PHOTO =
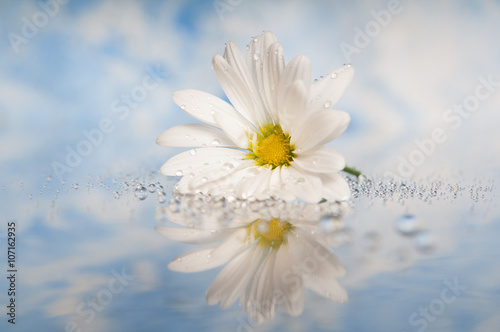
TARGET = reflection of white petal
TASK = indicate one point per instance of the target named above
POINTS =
(189, 161)
(328, 90)
(321, 160)
(201, 105)
(327, 287)
(194, 235)
(232, 280)
(195, 135)
(319, 128)
(258, 300)
(212, 256)
(289, 283)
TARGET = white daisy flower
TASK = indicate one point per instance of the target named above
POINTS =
(270, 141)
(269, 262)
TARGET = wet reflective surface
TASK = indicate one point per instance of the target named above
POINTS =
(405, 255)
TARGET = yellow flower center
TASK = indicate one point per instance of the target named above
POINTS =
(270, 234)
(272, 147)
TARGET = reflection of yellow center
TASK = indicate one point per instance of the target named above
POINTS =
(270, 233)
(271, 147)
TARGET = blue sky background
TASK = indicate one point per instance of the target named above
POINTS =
(69, 75)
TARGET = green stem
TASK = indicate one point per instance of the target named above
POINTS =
(352, 171)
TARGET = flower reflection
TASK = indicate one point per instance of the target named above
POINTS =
(272, 252)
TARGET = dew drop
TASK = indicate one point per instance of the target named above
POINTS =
(179, 259)
(327, 104)
(152, 188)
(116, 195)
(334, 75)
(183, 107)
(256, 56)
(192, 152)
(215, 142)
(179, 173)
(204, 180)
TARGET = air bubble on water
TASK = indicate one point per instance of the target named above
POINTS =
(140, 192)
(162, 197)
(424, 241)
(327, 104)
(407, 225)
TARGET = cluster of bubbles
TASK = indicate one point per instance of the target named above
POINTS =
(141, 192)
(426, 190)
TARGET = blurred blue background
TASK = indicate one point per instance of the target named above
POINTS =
(96, 77)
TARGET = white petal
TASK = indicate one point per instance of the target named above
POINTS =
(299, 69)
(194, 235)
(213, 175)
(259, 53)
(274, 64)
(195, 159)
(303, 184)
(195, 134)
(293, 108)
(201, 105)
(231, 282)
(322, 159)
(256, 186)
(238, 91)
(335, 187)
(319, 128)
(236, 128)
(327, 91)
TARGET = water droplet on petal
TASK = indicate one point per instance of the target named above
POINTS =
(327, 104)
(183, 107)
(192, 152)
(227, 166)
(334, 75)
(179, 173)
(216, 142)
(204, 180)
(256, 56)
